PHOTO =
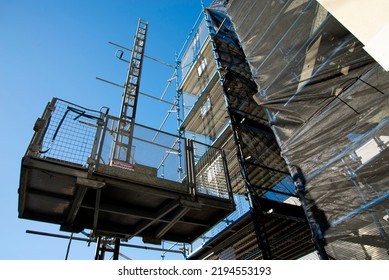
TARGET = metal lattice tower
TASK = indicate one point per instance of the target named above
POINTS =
(123, 141)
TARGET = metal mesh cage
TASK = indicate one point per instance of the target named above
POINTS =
(150, 147)
(74, 135)
(70, 133)
(210, 172)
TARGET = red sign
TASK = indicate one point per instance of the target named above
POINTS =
(123, 165)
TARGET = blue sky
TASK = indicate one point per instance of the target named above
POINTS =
(53, 48)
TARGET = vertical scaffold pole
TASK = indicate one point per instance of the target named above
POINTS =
(179, 119)
(116, 249)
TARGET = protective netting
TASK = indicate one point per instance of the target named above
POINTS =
(327, 102)
(259, 150)
(69, 134)
(210, 172)
(257, 162)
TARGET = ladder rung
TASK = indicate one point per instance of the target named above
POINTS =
(121, 144)
(131, 86)
(131, 95)
(129, 124)
(130, 83)
(130, 90)
(124, 131)
(131, 67)
(138, 50)
(135, 59)
(130, 100)
(131, 78)
(139, 40)
(129, 105)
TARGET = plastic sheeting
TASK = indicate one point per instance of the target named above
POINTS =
(327, 102)
(261, 165)
(259, 150)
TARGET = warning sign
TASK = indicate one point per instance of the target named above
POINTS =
(123, 165)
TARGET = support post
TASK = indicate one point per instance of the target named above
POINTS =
(317, 235)
(227, 176)
(40, 128)
(95, 153)
(179, 119)
(257, 213)
(100, 249)
(190, 166)
(260, 230)
(116, 249)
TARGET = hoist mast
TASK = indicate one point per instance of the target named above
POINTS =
(123, 143)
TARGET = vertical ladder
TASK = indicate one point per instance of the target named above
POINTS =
(123, 142)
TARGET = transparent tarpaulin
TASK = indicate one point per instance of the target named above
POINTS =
(327, 102)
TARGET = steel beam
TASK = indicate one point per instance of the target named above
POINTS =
(148, 215)
(96, 240)
(97, 208)
(161, 213)
(79, 196)
(179, 213)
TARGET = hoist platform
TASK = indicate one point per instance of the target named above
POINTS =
(172, 188)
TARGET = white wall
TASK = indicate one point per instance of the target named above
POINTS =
(368, 20)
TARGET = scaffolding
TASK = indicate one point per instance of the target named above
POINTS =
(81, 172)
(320, 101)
(291, 130)
(216, 83)
(276, 103)
(331, 101)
